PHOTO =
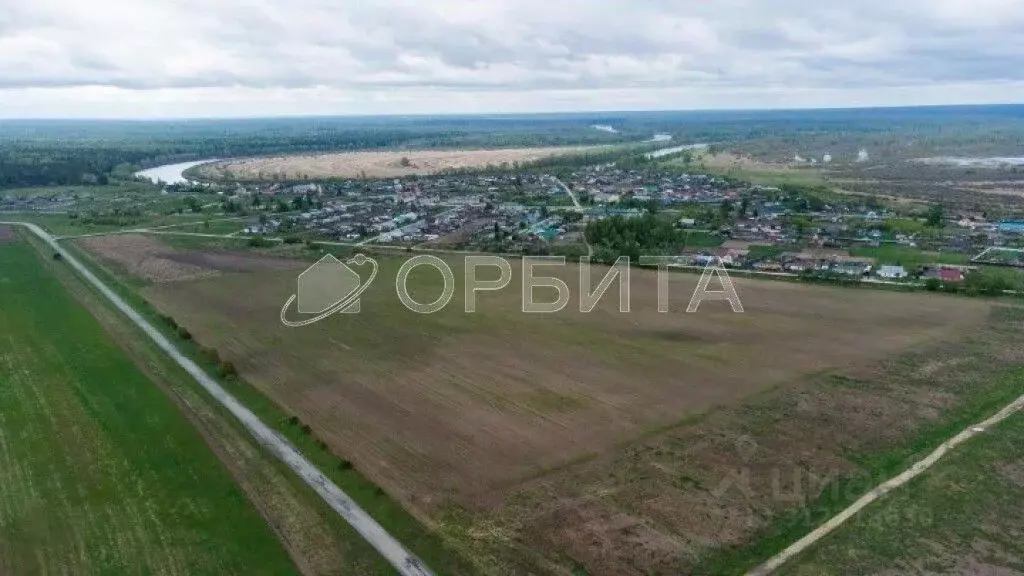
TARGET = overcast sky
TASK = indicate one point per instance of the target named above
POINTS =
(184, 58)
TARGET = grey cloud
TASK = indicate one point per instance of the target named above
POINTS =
(508, 44)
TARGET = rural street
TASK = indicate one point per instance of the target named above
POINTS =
(572, 195)
(404, 228)
(578, 207)
(393, 551)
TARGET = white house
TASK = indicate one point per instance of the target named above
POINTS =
(892, 272)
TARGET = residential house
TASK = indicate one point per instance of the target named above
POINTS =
(951, 275)
(705, 259)
(852, 266)
(892, 272)
(945, 274)
(306, 189)
(851, 269)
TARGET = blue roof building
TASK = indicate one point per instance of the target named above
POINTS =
(1012, 226)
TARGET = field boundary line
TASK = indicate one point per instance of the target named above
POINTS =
(397, 555)
(884, 488)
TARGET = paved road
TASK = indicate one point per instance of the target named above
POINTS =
(393, 551)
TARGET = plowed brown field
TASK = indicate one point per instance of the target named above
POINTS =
(571, 433)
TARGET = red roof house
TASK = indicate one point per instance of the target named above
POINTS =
(951, 275)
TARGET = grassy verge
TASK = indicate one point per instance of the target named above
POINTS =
(99, 472)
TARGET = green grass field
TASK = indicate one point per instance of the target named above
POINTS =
(754, 172)
(909, 257)
(963, 516)
(99, 471)
(216, 225)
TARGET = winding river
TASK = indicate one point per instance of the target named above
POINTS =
(170, 173)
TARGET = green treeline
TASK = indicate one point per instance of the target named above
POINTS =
(647, 235)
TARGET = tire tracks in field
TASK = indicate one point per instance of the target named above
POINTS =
(397, 555)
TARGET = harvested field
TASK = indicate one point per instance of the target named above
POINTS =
(142, 257)
(149, 259)
(390, 164)
(568, 435)
(7, 235)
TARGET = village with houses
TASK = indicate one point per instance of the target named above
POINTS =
(760, 229)
(771, 230)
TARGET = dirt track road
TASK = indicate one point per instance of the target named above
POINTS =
(572, 196)
(884, 488)
(393, 551)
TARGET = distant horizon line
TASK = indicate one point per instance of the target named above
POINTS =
(683, 111)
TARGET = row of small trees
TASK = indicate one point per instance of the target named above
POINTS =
(225, 368)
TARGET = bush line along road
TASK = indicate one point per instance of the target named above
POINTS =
(393, 551)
